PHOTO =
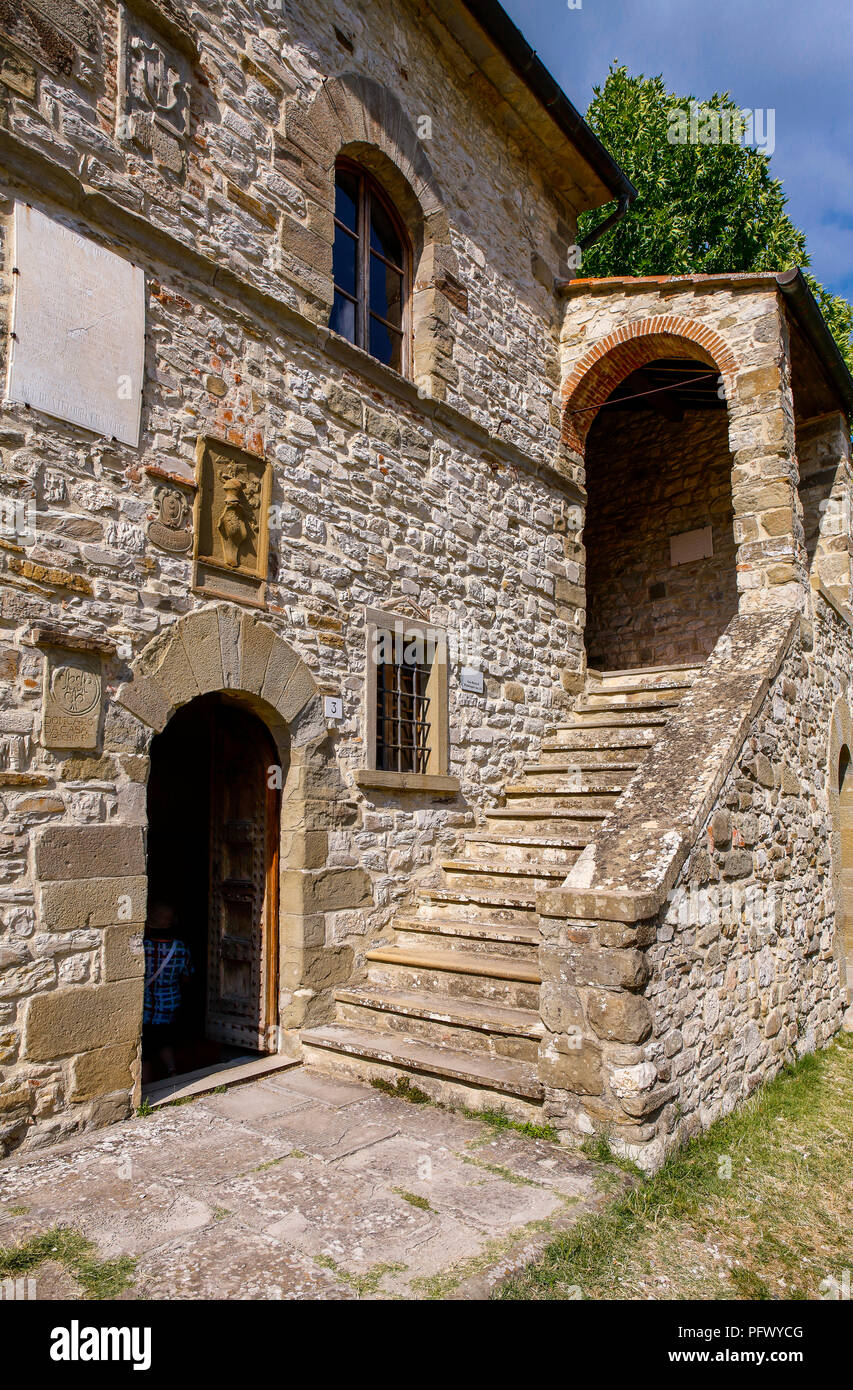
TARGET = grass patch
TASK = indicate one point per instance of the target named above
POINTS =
(413, 1199)
(362, 1284)
(98, 1279)
(402, 1088)
(754, 1208)
(500, 1120)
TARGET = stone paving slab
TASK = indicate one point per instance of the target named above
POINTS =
(299, 1186)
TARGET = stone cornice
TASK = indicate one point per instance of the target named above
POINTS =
(26, 170)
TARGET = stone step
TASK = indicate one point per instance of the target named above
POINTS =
(494, 874)
(553, 785)
(640, 678)
(482, 939)
(541, 814)
(608, 779)
(492, 847)
(480, 904)
(474, 1025)
(592, 760)
(501, 934)
(459, 974)
(476, 1071)
(638, 700)
(615, 719)
(600, 740)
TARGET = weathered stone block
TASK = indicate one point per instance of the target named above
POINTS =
(68, 1021)
(91, 902)
(89, 851)
(576, 1069)
(123, 957)
(594, 966)
(102, 1071)
(618, 1016)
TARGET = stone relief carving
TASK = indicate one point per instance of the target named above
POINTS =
(232, 517)
(154, 92)
(73, 696)
(169, 530)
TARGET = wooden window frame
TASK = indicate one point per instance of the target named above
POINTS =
(435, 778)
(369, 188)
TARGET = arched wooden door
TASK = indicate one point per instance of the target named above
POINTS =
(242, 963)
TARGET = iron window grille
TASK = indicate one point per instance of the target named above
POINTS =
(402, 716)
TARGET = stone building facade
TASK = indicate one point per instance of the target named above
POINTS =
(372, 407)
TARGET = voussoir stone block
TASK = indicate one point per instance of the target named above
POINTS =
(230, 640)
(91, 902)
(148, 701)
(64, 1022)
(257, 643)
(90, 851)
(169, 665)
(297, 693)
(200, 636)
(281, 664)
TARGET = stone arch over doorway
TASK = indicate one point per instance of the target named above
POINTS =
(224, 649)
(840, 795)
(646, 420)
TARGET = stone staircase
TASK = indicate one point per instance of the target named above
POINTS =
(454, 1001)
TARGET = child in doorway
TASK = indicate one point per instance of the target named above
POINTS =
(167, 965)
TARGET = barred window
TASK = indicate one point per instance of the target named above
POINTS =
(402, 716)
(407, 696)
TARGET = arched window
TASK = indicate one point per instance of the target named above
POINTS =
(371, 268)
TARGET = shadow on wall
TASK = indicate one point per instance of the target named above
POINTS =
(653, 479)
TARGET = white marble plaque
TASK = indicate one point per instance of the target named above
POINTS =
(78, 350)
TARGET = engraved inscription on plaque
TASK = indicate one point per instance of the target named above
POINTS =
(72, 700)
(78, 350)
(153, 92)
(232, 512)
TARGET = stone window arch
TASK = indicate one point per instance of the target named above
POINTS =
(356, 118)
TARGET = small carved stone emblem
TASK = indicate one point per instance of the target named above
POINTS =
(73, 690)
(169, 531)
(231, 521)
(154, 87)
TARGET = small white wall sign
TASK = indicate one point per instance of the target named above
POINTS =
(471, 679)
(691, 545)
(333, 707)
(78, 325)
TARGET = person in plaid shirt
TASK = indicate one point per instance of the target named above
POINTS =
(167, 964)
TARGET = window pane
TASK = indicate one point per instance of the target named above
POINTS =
(346, 198)
(343, 317)
(386, 345)
(383, 236)
(386, 292)
(343, 261)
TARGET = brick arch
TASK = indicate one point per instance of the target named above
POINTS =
(634, 345)
(355, 115)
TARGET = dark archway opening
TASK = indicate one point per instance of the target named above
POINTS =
(661, 577)
(213, 826)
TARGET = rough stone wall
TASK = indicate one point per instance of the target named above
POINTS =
(745, 969)
(377, 500)
(661, 1020)
(650, 478)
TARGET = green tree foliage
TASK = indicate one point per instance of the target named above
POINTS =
(701, 207)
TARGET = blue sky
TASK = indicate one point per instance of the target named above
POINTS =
(792, 56)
